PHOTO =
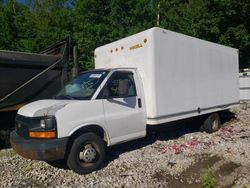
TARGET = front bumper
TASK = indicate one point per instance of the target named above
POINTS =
(39, 149)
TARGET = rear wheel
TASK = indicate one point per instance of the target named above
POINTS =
(212, 123)
(87, 153)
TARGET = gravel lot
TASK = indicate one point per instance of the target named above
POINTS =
(170, 157)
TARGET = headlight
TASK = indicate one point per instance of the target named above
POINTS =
(45, 129)
(48, 123)
(42, 124)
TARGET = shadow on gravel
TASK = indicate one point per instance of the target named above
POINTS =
(59, 164)
(3, 145)
(167, 131)
(227, 116)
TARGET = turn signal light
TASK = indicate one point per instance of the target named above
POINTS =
(47, 134)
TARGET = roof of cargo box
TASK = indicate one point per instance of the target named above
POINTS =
(127, 52)
(150, 30)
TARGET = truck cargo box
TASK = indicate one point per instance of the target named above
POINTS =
(182, 76)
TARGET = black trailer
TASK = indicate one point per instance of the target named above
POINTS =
(26, 77)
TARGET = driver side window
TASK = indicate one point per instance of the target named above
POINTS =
(120, 85)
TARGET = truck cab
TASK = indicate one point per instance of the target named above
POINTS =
(98, 108)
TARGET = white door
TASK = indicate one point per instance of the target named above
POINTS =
(124, 113)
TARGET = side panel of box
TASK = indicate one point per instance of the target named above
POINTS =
(193, 75)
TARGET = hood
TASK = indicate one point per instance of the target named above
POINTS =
(43, 108)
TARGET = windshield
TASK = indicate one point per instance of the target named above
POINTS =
(83, 86)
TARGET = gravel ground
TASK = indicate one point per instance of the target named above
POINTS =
(170, 157)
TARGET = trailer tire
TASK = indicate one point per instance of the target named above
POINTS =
(212, 123)
(86, 154)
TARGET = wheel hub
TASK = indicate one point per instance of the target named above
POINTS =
(215, 124)
(88, 154)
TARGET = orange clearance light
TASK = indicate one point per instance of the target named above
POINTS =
(47, 134)
(145, 40)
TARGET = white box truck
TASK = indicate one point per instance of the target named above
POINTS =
(153, 77)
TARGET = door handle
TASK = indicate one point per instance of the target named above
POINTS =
(139, 103)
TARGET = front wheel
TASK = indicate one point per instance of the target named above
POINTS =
(86, 154)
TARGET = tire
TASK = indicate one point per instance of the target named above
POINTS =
(212, 123)
(86, 154)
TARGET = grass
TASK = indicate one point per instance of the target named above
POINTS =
(8, 153)
(209, 178)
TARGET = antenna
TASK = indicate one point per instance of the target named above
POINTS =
(158, 14)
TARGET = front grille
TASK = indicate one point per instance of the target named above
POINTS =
(23, 124)
(22, 130)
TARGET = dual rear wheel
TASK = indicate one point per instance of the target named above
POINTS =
(212, 123)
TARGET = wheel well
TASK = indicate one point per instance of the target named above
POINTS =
(89, 128)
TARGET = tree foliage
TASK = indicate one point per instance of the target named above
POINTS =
(29, 25)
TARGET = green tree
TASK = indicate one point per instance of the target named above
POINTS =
(98, 22)
(5, 36)
(52, 21)
(91, 28)
(234, 24)
(225, 22)
(35, 24)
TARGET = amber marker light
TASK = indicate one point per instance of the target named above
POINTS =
(47, 134)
